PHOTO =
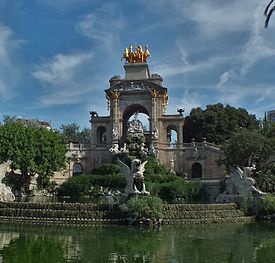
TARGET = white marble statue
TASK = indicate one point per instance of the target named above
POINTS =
(172, 165)
(155, 134)
(115, 133)
(124, 149)
(134, 177)
(6, 194)
(242, 182)
(152, 150)
(115, 149)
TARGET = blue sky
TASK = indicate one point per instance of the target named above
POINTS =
(56, 56)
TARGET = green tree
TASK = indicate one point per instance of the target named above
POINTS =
(245, 144)
(72, 133)
(9, 119)
(217, 123)
(32, 150)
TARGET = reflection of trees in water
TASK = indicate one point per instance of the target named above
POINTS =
(121, 244)
(5, 239)
(222, 243)
(192, 243)
(38, 245)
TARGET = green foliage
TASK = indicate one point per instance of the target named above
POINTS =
(135, 142)
(217, 123)
(32, 150)
(267, 205)
(178, 188)
(144, 207)
(107, 169)
(244, 144)
(86, 184)
(72, 133)
(265, 178)
(154, 171)
(40, 249)
(168, 186)
(45, 183)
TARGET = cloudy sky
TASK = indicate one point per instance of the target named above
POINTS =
(56, 56)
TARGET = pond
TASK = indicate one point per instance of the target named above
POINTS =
(101, 243)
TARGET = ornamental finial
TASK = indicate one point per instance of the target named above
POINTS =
(136, 56)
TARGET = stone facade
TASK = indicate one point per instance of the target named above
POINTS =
(139, 91)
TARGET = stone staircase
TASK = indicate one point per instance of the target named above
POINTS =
(60, 213)
(203, 213)
(88, 213)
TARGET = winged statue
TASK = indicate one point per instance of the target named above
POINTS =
(134, 177)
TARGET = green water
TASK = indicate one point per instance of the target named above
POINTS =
(193, 243)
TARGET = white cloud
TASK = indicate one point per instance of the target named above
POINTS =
(188, 101)
(212, 18)
(215, 17)
(62, 78)
(266, 93)
(225, 77)
(258, 46)
(252, 95)
(9, 73)
(168, 70)
(61, 68)
(104, 25)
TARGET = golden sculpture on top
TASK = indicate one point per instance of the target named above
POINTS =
(138, 56)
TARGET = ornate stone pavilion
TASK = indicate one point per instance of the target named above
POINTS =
(143, 92)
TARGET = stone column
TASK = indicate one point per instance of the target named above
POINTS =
(116, 131)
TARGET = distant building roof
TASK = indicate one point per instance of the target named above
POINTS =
(36, 123)
(271, 115)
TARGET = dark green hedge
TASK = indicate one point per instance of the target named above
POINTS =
(267, 205)
(85, 184)
(107, 169)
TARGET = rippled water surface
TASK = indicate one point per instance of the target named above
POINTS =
(192, 243)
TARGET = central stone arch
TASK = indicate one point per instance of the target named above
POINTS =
(139, 91)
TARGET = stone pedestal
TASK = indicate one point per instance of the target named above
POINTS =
(136, 71)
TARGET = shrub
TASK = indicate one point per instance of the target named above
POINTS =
(153, 168)
(179, 188)
(144, 207)
(107, 169)
(83, 184)
(267, 205)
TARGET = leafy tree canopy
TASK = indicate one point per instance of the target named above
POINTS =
(244, 145)
(217, 123)
(32, 150)
(72, 133)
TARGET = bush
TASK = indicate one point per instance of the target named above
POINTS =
(179, 188)
(83, 184)
(144, 207)
(153, 168)
(267, 205)
(107, 169)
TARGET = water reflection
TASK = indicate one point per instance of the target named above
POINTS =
(194, 243)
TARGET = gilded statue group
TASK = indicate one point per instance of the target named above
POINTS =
(138, 56)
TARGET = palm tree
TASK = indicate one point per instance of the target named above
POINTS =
(268, 12)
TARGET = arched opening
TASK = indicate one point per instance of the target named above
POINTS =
(144, 120)
(172, 136)
(101, 135)
(196, 170)
(130, 114)
(77, 169)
